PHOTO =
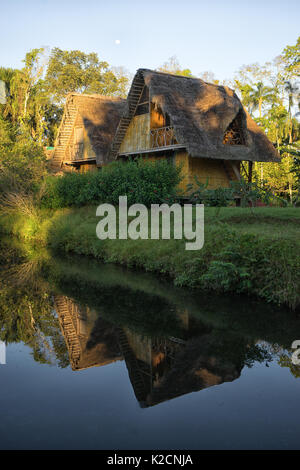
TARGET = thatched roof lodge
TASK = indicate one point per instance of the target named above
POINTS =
(86, 131)
(200, 125)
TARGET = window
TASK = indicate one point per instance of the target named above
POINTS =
(234, 134)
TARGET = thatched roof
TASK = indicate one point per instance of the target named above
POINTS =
(201, 113)
(100, 115)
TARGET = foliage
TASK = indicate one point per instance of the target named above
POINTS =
(26, 309)
(75, 71)
(219, 197)
(22, 165)
(246, 192)
(172, 66)
(290, 58)
(225, 276)
(141, 181)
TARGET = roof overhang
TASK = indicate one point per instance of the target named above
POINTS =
(85, 161)
(151, 150)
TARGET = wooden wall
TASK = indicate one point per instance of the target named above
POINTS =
(182, 159)
(218, 172)
(137, 136)
(212, 169)
(88, 151)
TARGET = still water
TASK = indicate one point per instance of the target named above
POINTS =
(98, 357)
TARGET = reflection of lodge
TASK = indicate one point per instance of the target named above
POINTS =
(159, 368)
(76, 326)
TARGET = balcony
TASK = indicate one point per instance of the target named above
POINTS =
(162, 137)
(145, 142)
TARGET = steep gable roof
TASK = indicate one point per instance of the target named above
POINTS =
(201, 113)
(100, 116)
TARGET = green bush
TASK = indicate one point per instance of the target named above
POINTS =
(219, 197)
(141, 181)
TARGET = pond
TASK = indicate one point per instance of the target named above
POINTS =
(100, 357)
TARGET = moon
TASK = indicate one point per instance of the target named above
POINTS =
(117, 41)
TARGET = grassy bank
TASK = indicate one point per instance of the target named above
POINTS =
(255, 253)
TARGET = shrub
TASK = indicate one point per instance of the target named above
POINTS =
(141, 181)
(219, 197)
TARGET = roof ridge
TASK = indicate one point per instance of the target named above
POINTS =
(96, 96)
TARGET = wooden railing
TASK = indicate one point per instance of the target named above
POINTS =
(162, 137)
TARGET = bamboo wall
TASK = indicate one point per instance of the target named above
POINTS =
(182, 159)
(218, 172)
(87, 151)
(212, 169)
(137, 136)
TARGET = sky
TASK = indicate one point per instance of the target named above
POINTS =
(205, 35)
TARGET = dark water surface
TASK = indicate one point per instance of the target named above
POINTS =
(102, 358)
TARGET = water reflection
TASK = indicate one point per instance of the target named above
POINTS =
(159, 368)
(174, 342)
(87, 346)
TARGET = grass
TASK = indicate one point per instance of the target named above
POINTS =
(245, 251)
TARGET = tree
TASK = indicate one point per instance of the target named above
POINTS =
(258, 95)
(172, 66)
(23, 85)
(290, 59)
(209, 77)
(292, 91)
(75, 71)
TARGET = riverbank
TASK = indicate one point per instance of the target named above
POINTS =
(250, 252)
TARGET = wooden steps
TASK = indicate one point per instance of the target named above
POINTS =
(68, 329)
(134, 96)
(64, 134)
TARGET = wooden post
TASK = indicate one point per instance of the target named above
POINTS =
(250, 167)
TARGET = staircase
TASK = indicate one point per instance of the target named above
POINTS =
(133, 99)
(64, 134)
(68, 330)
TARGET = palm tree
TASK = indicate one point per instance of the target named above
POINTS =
(260, 94)
(292, 91)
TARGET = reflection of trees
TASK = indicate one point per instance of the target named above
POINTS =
(172, 343)
(285, 360)
(26, 310)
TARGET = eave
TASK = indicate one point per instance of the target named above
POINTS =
(151, 150)
(80, 162)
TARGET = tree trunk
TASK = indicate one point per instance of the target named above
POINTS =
(260, 106)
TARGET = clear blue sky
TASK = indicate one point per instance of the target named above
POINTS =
(215, 35)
